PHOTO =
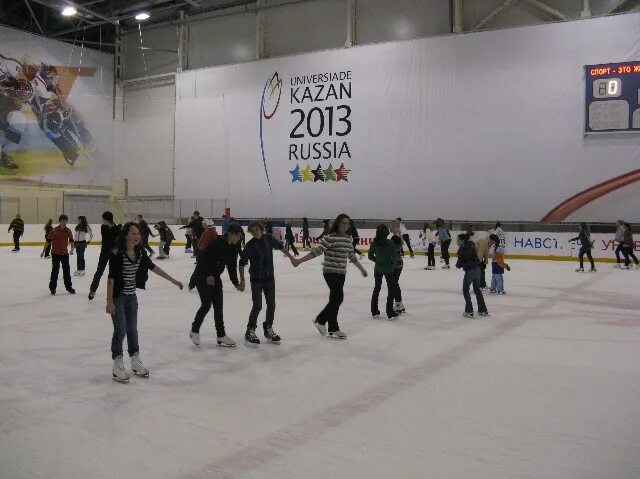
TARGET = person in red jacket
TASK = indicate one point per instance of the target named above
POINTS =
(61, 237)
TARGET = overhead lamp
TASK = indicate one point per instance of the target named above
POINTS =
(69, 11)
(142, 16)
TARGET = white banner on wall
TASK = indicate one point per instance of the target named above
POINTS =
(472, 127)
(56, 111)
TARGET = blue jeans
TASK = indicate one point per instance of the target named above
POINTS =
(125, 322)
(497, 282)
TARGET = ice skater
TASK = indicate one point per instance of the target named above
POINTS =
(499, 232)
(469, 262)
(628, 247)
(395, 230)
(404, 232)
(196, 227)
(109, 232)
(445, 241)
(290, 240)
(585, 247)
(338, 250)
(211, 263)
(429, 241)
(61, 237)
(128, 270)
(17, 225)
(83, 236)
(306, 241)
(166, 238)
(46, 251)
(145, 231)
(620, 242)
(258, 253)
(353, 231)
(326, 229)
(497, 265)
(384, 253)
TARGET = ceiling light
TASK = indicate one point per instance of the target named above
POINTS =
(69, 11)
(142, 16)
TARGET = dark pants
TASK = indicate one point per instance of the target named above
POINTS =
(619, 249)
(407, 240)
(81, 246)
(392, 284)
(47, 248)
(356, 242)
(472, 278)
(306, 241)
(627, 251)
(145, 242)
(125, 323)
(103, 261)
(56, 260)
(585, 250)
(268, 287)
(188, 246)
(209, 295)
(167, 247)
(289, 244)
(329, 314)
(444, 248)
(16, 239)
(431, 259)
(483, 277)
(398, 294)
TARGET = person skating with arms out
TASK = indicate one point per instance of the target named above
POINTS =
(258, 253)
(129, 268)
(585, 247)
(338, 250)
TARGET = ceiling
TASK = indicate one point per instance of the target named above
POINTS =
(96, 20)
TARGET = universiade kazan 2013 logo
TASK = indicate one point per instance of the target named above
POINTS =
(321, 125)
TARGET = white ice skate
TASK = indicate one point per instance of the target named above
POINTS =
(398, 307)
(468, 315)
(195, 337)
(337, 335)
(226, 342)
(446, 266)
(580, 270)
(120, 374)
(322, 329)
(137, 367)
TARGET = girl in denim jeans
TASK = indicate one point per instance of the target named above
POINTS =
(128, 269)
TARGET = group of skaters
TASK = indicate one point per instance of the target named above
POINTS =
(126, 251)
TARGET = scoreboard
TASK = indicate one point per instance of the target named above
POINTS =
(612, 101)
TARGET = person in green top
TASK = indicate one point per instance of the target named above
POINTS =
(383, 252)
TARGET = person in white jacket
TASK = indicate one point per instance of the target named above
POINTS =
(500, 234)
(405, 236)
(429, 241)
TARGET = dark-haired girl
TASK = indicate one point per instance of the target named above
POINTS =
(306, 241)
(83, 236)
(338, 249)
(128, 270)
(396, 238)
(585, 247)
(384, 253)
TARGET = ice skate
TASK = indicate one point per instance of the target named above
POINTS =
(92, 294)
(468, 315)
(484, 314)
(399, 307)
(337, 335)
(272, 336)
(322, 329)
(195, 338)
(250, 338)
(137, 367)
(446, 266)
(226, 342)
(119, 373)
(580, 270)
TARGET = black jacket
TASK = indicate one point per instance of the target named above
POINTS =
(260, 253)
(468, 256)
(109, 236)
(115, 270)
(166, 235)
(196, 226)
(585, 239)
(145, 231)
(215, 257)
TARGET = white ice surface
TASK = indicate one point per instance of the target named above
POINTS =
(549, 387)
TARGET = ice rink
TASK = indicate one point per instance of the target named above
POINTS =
(548, 387)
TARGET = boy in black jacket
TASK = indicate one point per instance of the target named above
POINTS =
(469, 262)
(210, 265)
(259, 253)
(109, 232)
(145, 231)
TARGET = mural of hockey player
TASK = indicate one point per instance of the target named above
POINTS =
(56, 118)
(15, 91)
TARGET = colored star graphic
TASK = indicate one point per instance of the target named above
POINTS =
(295, 174)
(307, 174)
(329, 174)
(318, 174)
(342, 173)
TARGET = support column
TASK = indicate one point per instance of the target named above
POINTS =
(586, 9)
(351, 24)
(457, 16)
(261, 18)
(183, 43)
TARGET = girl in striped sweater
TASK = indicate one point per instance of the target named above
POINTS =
(337, 247)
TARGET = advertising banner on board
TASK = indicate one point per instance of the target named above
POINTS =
(482, 126)
(56, 111)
